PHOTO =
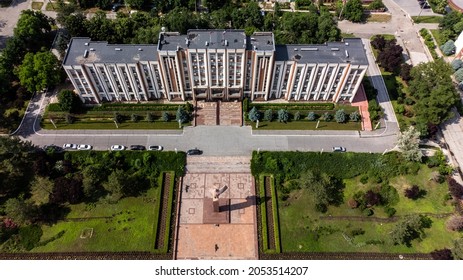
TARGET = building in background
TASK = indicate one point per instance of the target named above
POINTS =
(215, 65)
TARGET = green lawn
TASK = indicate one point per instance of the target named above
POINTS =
(304, 230)
(436, 34)
(46, 124)
(305, 125)
(127, 225)
(426, 19)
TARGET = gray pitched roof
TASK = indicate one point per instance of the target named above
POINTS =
(83, 50)
(351, 50)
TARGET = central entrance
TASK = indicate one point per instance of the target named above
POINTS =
(218, 113)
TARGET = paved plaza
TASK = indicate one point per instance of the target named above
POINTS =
(233, 238)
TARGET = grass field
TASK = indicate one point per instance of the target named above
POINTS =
(305, 125)
(427, 19)
(305, 230)
(127, 225)
(46, 124)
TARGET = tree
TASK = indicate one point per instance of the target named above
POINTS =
(116, 185)
(20, 211)
(379, 42)
(149, 117)
(254, 115)
(372, 198)
(408, 144)
(456, 64)
(165, 116)
(353, 10)
(448, 48)
(458, 249)
(327, 117)
(432, 88)
(340, 116)
(390, 58)
(414, 192)
(405, 69)
(41, 188)
(118, 118)
(410, 229)
(327, 190)
(67, 189)
(455, 189)
(376, 5)
(297, 116)
(137, 4)
(100, 28)
(182, 116)
(455, 223)
(32, 29)
(283, 115)
(355, 116)
(76, 24)
(92, 176)
(268, 115)
(443, 254)
(68, 101)
(39, 71)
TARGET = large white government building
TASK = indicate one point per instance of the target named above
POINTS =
(215, 65)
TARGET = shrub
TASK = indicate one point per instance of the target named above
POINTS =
(297, 116)
(400, 109)
(405, 69)
(327, 117)
(149, 117)
(357, 231)
(134, 117)
(182, 115)
(165, 116)
(390, 211)
(268, 115)
(355, 116)
(414, 192)
(372, 198)
(352, 203)
(321, 207)
(457, 64)
(368, 212)
(118, 117)
(283, 115)
(69, 101)
(455, 189)
(340, 116)
(364, 179)
(69, 119)
(376, 5)
(254, 115)
(443, 254)
(455, 223)
(29, 236)
(311, 116)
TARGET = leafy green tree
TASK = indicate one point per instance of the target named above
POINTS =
(408, 143)
(254, 115)
(20, 211)
(432, 88)
(100, 28)
(92, 177)
(116, 185)
(134, 117)
(390, 58)
(297, 116)
(268, 115)
(149, 117)
(327, 30)
(39, 71)
(326, 189)
(353, 10)
(69, 101)
(327, 117)
(410, 229)
(41, 188)
(182, 116)
(283, 115)
(405, 70)
(248, 16)
(135, 4)
(180, 19)
(147, 35)
(376, 5)
(32, 29)
(340, 116)
(448, 48)
(118, 117)
(165, 117)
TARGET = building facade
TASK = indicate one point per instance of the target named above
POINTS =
(215, 65)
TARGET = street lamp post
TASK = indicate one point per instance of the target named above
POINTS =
(115, 122)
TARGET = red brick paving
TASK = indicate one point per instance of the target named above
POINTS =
(361, 101)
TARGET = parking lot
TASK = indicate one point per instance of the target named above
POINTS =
(412, 7)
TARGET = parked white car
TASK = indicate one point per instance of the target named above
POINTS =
(70, 146)
(84, 147)
(155, 148)
(117, 148)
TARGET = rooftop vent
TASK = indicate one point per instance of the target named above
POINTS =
(92, 49)
(85, 53)
(295, 49)
(226, 42)
(207, 43)
(309, 49)
(335, 49)
(347, 54)
(347, 43)
(86, 44)
(140, 49)
(117, 49)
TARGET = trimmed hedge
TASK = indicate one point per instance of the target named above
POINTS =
(276, 223)
(293, 106)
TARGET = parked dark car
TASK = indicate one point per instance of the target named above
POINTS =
(194, 151)
(137, 148)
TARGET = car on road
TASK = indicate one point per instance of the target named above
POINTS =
(53, 149)
(137, 148)
(116, 7)
(339, 149)
(117, 148)
(70, 146)
(84, 147)
(194, 151)
(155, 148)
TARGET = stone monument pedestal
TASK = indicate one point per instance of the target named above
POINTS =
(213, 217)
